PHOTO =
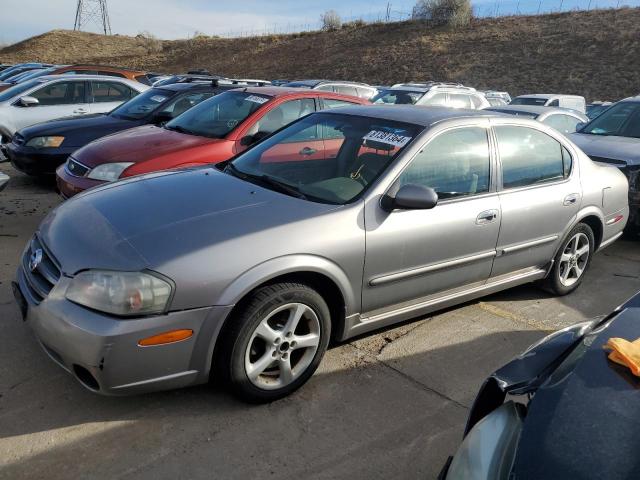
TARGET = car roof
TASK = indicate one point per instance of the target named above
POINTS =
(87, 77)
(535, 109)
(418, 115)
(180, 87)
(280, 91)
(547, 95)
(315, 83)
(103, 67)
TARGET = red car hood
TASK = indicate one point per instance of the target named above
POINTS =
(138, 145)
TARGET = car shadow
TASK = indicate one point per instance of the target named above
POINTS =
(358, 413)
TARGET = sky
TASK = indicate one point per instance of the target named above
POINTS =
(170, 19)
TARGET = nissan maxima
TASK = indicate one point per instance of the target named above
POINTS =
(343, 222)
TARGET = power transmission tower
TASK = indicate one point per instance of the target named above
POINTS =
(95, 12)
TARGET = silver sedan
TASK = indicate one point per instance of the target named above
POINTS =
(341, 223)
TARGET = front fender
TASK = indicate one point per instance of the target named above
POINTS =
(288, 264)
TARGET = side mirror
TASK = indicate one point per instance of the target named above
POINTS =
(162, 118)
(411, 197)
(28, 101)
(251, 139)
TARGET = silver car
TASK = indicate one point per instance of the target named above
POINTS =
(343, 222)
(56, 96)
(439, 94)
(562, 119)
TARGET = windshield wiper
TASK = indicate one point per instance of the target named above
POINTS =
(266, 180)
(179, 129)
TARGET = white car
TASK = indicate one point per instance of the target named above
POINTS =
(56, 96)
(440, 94)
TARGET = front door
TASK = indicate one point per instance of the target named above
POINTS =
(412, 254)
(55, 100)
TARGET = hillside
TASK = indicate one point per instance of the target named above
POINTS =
(590, 53)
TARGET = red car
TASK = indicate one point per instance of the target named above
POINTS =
(211, 132)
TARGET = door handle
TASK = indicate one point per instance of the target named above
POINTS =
(307, 151)
(487, 216)
(571, 199)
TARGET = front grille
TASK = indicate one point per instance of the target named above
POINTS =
(41, 271)
(75, 168)
(18, 139)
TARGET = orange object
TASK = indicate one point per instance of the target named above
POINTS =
(171, 336)
(625, 353)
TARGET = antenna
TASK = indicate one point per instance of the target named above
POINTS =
(92, 11)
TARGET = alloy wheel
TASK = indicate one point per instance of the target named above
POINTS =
(574, 259)
(282, 346)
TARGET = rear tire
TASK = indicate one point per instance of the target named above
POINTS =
(572, 261)
(275, 342)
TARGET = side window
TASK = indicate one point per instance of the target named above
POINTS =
(346, 90)
(329, 103)
(554, 103)
(567, 162)
(455, 163)
(283, 115)
(61, 93)
(325, 88)
(562, 123)
(476, 101)
(184, 102)
(110, 92)
(364, 92)
(460, 100)
(528, 156)
(437, 99)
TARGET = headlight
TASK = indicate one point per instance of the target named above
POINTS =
(109, 172)
(120, 293)
(45, 142)
(488, 450)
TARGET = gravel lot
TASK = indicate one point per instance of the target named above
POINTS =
(389, 404)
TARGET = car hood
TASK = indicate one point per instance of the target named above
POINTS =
(138, 145)
(624, 149)
(584, 421)
(171, 221)
(78, 131)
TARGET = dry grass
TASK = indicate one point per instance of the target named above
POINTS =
(590, 53)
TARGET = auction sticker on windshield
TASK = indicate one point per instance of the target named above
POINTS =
(389, 138)
(256, 99)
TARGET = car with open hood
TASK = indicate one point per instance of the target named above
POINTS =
(215, 130)
(613, 138)
(343, 222)
(560, 410)
(42, 148)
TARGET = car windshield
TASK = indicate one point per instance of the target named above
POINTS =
(218, 116)
(517, 113)
(621, 119)
(397, 97)
(528, 101)
(142, 105)
(16, 90)
(328, 158)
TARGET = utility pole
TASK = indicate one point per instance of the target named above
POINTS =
(92, 12)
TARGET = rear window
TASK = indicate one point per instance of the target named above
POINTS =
(529, 101)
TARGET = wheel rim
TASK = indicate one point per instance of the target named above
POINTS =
(573, 260)
(282, 346)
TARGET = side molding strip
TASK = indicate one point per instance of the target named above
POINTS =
(534, 243)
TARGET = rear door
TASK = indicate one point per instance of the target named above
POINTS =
(540, 194)
(107, 95)
(55, 100)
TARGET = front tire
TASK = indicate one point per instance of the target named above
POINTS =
(276, 342)
(571, 261)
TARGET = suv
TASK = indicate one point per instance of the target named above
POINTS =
(56, 96)
(355, 89)
(452, 95)
(573, 102)
(121, 72)
(211, 132)
(40, 149)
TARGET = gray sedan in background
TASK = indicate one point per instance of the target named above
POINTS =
(341, 223)
(563, 120)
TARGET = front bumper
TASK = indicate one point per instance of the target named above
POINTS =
(70, 185)
(102, 352)
(33, 161)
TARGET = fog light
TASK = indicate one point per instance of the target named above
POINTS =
(166, 337)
